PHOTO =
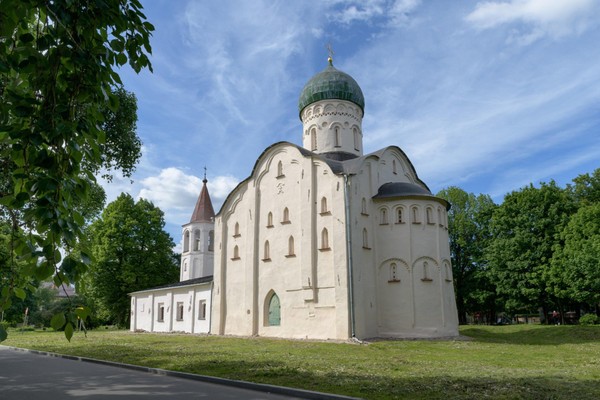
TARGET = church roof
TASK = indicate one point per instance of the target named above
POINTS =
(189, 282)
(203, 212)
(405, 189)
(331, 83)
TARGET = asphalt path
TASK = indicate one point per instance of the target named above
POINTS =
(29, 376)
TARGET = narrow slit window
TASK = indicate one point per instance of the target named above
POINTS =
(270, 220)
(324, 239)
(291, 246)
(383, 217)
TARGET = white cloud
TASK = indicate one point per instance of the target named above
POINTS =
(554, 18)
(395, 11)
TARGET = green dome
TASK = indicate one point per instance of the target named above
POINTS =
(331, 84)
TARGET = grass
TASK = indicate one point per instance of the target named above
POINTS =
(500, 362)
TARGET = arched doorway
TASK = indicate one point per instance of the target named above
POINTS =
(274, 311)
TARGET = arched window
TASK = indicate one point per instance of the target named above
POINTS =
(356, 139)
(394, 272)
(365, 238)
(394, 170)
(363, 207)
(286, 216)
(429, 214)
(185, 266)
(448, 272)
(439, 213)
(211, 241)
(186, 241)
(267, 251)
(197, 240)
(291, 246)
(426, 277)
(324, 205)
(236, 253)
(274, 311)
(324, 239)
(383, 217)
(415, 215)
(279, 169)
(270, 220)
(337, 137)
(236, 230)
(313, 139)
(399, 215)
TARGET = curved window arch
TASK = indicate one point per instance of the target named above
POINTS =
(383, 216)
(211, 241)
(267, 251)
(337, 136)
(291, 250)
(186, 241)
(429, 215)
(286, 215)
(400, 215)
(197, 246)
(273, 310)
(324, 239)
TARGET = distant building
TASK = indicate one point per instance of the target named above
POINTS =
(319, 242)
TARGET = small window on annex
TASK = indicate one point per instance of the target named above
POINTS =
(383, 217)
(236, 253)
(161, 312)
(429, 214)
(399, 215)
(202, 309)
(426, 277)
(270, 220)
(180, 311)
(236, 230)
(415, 215)
(279, 169)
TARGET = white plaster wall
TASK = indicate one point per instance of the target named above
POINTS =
(305, 282)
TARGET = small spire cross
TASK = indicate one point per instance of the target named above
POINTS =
(331, 53)
(204, 180)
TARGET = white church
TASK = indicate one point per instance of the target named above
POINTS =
(319, 242)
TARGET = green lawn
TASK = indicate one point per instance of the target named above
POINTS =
(503, 362)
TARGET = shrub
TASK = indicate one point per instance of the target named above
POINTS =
(589, 319)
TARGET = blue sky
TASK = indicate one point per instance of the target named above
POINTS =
(485, 95)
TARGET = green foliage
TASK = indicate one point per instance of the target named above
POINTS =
(131, 252)
(589, 319)
(469, 233)
(58, 64)
(525, 228)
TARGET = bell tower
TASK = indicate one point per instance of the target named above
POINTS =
(197, 258)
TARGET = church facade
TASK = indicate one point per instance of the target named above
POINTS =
(322, 241)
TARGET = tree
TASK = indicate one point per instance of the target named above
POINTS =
(575, 273)
(586, 188)
(525, 228)
(131, 252)
(468, 229)
(57, 74)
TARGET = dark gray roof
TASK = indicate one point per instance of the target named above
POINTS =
(405, 189)
(189, 282)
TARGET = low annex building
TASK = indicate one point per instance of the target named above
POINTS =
(321, 241)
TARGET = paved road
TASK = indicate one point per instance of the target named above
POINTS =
(24, 375)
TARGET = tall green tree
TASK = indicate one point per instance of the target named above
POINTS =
(575, 273)
(526, 227)
(131, 252)
(469, 233)
(586, 187)
(58, 62)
